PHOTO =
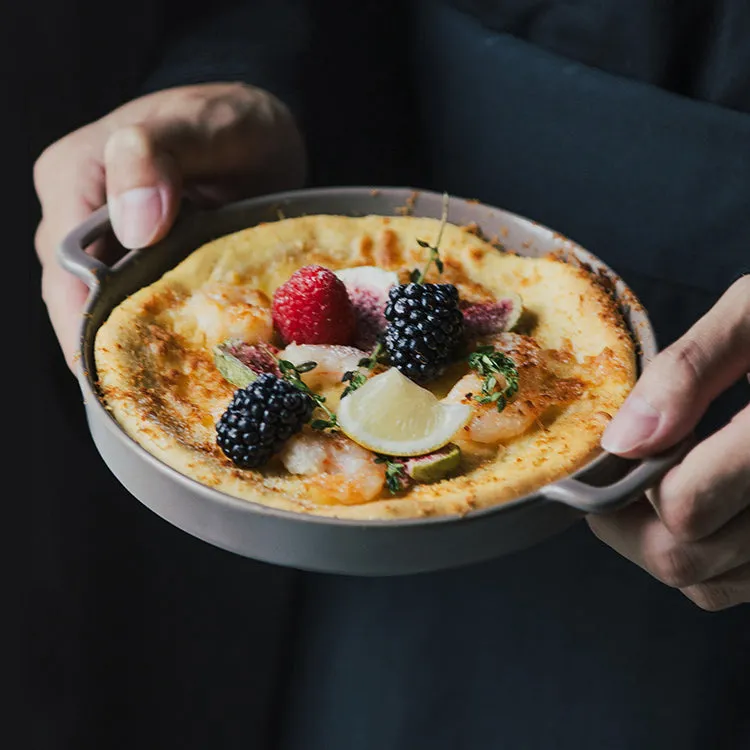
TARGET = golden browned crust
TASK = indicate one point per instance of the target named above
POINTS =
(156, 373)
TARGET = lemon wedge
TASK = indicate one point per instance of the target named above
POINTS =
(394, 416)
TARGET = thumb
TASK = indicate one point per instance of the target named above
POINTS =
(143, 184)
(677, 387)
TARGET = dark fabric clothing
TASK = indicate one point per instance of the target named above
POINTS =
(564, 645)
(647, 179)
(265, 43)
(691, 47)
(624, 125)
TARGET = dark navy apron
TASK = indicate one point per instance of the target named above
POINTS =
(566, 646)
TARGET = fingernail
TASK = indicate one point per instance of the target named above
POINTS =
(136, 215)
(636, 421)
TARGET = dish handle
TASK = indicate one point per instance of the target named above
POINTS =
(71, 252)
(611, 497)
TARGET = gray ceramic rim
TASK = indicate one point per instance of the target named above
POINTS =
(575, 493)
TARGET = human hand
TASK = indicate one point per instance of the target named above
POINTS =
(210, 142)
(695, 532)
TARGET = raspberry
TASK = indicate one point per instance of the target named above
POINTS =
(313, 307)
(425, 327)
(260, 419)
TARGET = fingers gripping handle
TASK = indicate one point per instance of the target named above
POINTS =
(590, 499)
(71, 252)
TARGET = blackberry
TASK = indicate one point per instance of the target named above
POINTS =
(260, 418)
(425, 328)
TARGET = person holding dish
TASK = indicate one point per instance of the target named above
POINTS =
(641, 158)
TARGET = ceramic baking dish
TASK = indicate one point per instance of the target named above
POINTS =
(323, 544)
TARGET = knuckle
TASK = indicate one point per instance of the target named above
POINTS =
(685, 524)
(710, 597)
(686, 360)
(683, 513)
(189, 101)
(196, 95)
(673, 566)
(221, 107)
(219, 113)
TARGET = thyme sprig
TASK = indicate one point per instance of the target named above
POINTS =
(357, 378)
(418, 276)
(396, 478)
(293, 374)
(488, 364)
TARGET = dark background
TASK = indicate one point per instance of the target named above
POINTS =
(113, 602)
(114, 605)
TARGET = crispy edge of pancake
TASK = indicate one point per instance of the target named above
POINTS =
(134, 349)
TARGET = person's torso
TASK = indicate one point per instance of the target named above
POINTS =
(560, 112)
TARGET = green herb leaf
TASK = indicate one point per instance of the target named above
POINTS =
(306, 367)
(488, 363)
(323, 424)
(357, 379)
(396, 478)
(434, 249)
(292, 374)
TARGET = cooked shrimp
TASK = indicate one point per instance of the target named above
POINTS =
(539, 389)
(340, 471)
(332, 361)
(223, 311)
(488, 425)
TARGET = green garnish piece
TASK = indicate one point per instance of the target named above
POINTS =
(356, 378)
(240, 363)
(418, 277)
(402, 473)
(488, 364)
(434, 466)
(292, 374)
(396, 478)
(232, 370)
